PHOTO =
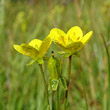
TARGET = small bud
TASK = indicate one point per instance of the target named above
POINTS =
(54, 67)
(52, 53)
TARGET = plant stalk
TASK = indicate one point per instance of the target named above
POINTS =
(57, 103)
(69, 70)
(52, 100)
(69, 75)
(45, 85)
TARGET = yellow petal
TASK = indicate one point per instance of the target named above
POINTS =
(86, 37)
(45, 46)
(27, 50)
(36, 43)
(18, 48)
(75, 33)
(74, 47)
(61, 46)
(59, 36)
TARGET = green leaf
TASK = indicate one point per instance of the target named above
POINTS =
(64, 84)
(54, 84)
(31, 62)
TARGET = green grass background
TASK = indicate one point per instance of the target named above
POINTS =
(21, 86)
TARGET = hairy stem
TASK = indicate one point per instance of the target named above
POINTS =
(45, 84)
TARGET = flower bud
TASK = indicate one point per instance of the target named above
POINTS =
(54, 67)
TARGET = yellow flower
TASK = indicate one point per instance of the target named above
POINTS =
(35, 49)
(72, 41)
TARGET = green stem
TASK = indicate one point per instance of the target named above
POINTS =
(45, 84)
(65, 103)
(57, 104)
(69, 76)
(69, 70)
(52, 100)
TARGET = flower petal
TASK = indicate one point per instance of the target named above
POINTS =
(59, 36)
(45, 46)
(36, 43)
(86, 37)
(18, 48)
(75, 33)
(74, 47)
(27, 50)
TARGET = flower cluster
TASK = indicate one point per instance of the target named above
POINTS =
(69, 42)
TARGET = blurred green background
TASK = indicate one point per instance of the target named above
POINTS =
(21, 86)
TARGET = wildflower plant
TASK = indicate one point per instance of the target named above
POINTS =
(70, 43)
